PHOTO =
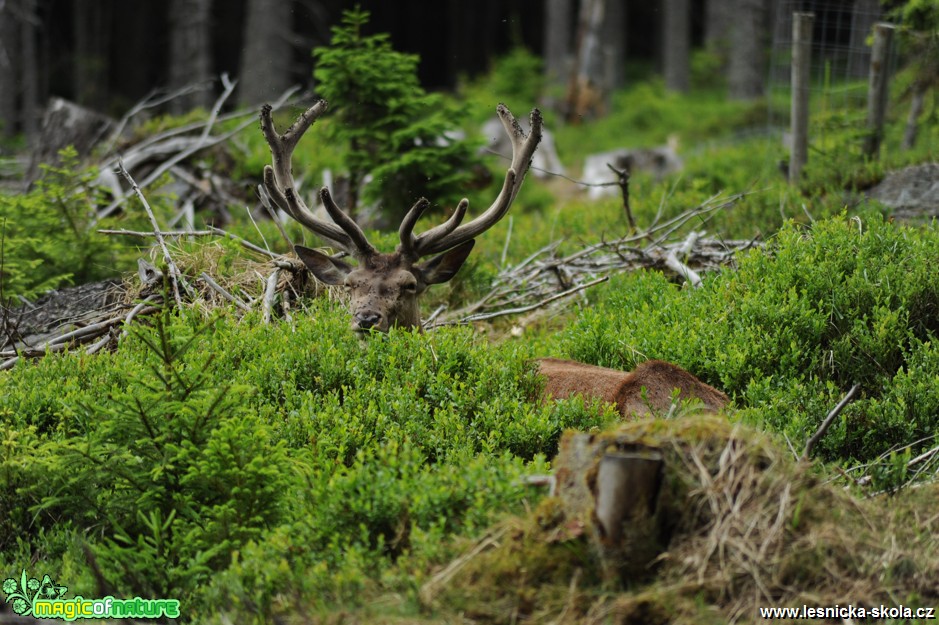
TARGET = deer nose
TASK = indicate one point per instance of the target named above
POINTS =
(366, 320)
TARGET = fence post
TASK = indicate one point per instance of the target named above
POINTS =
(801, 78)
(877, 88)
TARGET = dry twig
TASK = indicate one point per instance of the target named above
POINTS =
(810, 444)
(537, 279)
(175, 276)
(270, 292)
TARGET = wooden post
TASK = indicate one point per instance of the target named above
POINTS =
(801, 78)
(627, 487)
(877, 88)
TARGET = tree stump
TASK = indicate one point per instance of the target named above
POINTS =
(66, 123)
(614, 488)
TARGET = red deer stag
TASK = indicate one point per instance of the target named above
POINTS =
(648, 389)
(384, 288)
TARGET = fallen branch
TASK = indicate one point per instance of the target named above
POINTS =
(672, 262)
(175, 276)
(165, 233)
(141, 308)
(810, 444)
(53, 344)
(193, 146)
(270, 292)
(623, 182)
(152, 100)
(95, 348)
(530, 307)
(430, 320)
(215, 286)
(244, 243)
(544, 274)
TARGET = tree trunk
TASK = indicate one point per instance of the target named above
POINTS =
(614, 43)
(9, 63)
(615, 488)
(877, 88)
(747, 67)
(676, 37)
(912, 121)
(29, 75)
(92, 27)
(587, 92)
(557, 40)
(718, 26)
(781, 28)
(190, 52)
(135, 23)
(266, 60)
(865, 15)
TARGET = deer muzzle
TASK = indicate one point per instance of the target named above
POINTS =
(367, 320)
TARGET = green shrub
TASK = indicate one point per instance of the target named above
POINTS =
(516, 79)
(165, 474)
(48, 236)
(352, 461)
(846, 301)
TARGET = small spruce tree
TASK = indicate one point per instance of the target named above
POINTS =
(391, 127)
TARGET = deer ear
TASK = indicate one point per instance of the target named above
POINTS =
(325, 268)
(444, 266)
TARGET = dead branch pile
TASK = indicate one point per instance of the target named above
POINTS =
(168, 157)
(93, 317)
(545, 277)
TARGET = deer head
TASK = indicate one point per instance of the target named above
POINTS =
(384, 288)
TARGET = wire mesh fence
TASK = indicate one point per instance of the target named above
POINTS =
(840, 55)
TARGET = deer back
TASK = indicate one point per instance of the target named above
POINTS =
(647, 389)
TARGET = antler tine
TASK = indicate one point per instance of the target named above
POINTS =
(406, 230)
(448, 226)
(289, 202)
(278, 181)
(356, 235)
(447, 235)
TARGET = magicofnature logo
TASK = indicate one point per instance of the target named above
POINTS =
(44, 599)
(26, 590)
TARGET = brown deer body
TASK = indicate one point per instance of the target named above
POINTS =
(649, 388)
(384, 287)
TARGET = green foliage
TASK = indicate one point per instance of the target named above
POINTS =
(48, 237)
(165, 472)
(251, 449)
(393, 129)
(847, 301)
(919, 38)
(646, 114)
(516, 79)
(518, 76)
(708, 69)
